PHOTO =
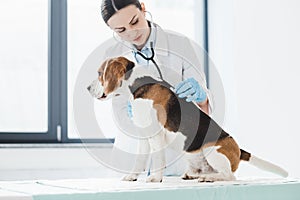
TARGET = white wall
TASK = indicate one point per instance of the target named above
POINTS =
(255, 46)
(42, 161)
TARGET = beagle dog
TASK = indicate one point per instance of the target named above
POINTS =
(212, 154)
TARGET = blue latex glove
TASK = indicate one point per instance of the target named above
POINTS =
(129, 110)
(191, 89)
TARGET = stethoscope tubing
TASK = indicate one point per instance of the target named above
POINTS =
(151, 58)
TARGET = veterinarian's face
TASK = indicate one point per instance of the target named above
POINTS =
(131, 25)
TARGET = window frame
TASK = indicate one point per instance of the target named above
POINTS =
(54, 118)
(58, 80)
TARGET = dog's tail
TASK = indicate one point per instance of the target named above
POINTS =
(262, 164)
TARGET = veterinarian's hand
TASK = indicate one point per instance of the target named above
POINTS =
(129, 110)
(191, 89)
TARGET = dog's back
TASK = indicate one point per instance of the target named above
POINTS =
(181, 116)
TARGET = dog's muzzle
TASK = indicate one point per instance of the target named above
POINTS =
(96, 89)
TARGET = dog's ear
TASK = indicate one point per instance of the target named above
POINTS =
(129, 68)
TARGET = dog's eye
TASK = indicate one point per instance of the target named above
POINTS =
(99, 73)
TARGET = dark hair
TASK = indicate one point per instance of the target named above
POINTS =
(110, 7)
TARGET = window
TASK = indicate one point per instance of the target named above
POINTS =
(24, 85)
(44, 44)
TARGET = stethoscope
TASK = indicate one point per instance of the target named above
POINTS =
(151, 58)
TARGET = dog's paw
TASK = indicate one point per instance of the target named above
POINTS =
(216, 177)
(186, 176)
(208, 179)
(211, 178)
(130, 177)
(154, 178)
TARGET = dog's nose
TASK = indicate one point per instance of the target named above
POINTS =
(89, 88)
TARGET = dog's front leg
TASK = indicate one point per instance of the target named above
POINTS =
(140, 162)
(157, 145)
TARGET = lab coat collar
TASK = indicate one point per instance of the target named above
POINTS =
(161, 41)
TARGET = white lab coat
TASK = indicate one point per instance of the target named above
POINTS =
(176, 55)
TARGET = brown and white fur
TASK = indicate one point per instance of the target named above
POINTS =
(213, 155)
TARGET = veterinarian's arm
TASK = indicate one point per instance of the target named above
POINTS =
(196, 59)
(204, 106)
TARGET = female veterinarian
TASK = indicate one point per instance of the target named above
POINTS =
(151, 46)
